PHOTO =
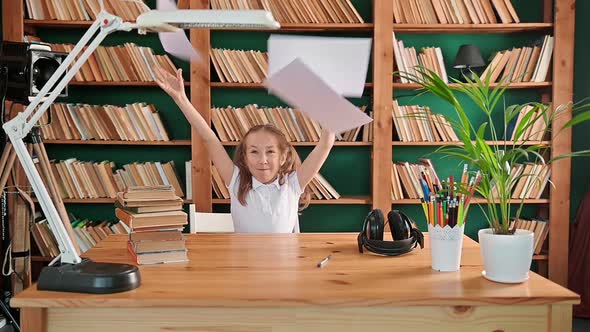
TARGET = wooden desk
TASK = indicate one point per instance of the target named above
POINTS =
(239, 282)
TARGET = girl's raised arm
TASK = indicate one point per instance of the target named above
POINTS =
(174, 86)
(312, 164)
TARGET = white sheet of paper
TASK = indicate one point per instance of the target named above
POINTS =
(166, 5)
(302, 88)
(176, 43)
(342, 62)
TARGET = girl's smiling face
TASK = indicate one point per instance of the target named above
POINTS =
(263, 156)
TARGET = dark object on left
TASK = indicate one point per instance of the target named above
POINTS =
(25, 68)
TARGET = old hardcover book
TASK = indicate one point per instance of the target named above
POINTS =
(158, 257)
(166, 235)
(146, 247)
(149, 192)
(173, 206)
(169, 219)
(146, 202)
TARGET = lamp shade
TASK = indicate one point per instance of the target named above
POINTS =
(468, 56)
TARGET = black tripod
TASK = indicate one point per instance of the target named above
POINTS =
(9, 318)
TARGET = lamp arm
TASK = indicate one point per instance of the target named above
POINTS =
(107, 23)
(66, 246)
(18, 127)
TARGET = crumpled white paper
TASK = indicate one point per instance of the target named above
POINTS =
(176, 43)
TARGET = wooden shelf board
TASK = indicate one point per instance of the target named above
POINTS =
(341, 201)
(416, 28)
(57, 23)
(313, 143)
(475, 201)
(103, 200)
(254, 85)
(130, 83)
(284, 26)
(520, 85)
(41, 259)
(94, 142)
(353, 27)
(471, 28)
(542, 257)
(396, 143)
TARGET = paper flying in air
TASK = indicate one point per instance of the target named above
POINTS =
(302, 88)
(176, 43)
(342, 62)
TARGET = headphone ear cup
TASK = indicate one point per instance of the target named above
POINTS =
(375, 225)
(399, 225)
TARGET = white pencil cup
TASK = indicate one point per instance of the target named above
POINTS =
(446, 244)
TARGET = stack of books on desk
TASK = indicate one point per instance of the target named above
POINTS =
(155, 217)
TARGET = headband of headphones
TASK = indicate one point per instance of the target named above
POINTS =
(406, 236)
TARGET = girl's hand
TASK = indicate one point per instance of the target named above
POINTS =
(174, 86)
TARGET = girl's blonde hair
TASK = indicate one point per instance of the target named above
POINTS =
(292, 162)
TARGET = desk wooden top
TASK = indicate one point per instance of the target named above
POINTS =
(268, 270)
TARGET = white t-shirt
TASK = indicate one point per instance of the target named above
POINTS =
(270, 208)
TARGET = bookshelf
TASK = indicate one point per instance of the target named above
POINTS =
(350, 158)
(561, 27)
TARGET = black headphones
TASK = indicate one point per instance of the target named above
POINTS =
(406, 236)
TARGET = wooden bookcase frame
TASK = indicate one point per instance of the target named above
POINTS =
(558, 16)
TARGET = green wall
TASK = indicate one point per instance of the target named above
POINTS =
(347, 168)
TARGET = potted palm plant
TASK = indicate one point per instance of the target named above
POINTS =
(506, 252)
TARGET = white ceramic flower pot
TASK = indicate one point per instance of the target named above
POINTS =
(506, 258)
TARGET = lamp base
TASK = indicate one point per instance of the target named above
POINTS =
(89, 277)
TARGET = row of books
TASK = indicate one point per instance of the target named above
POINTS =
(218, 185)
(414, 123)
(88, 233)
(298, 11)
(535, 132)
(319, 187)
(539, 227)
(454, 11)
(529, 179)
(523, 64)
(232, 123)
(155, 219)
(405, 183)
(240, 66)
(82, 10)
(322, 189)
(87, 179)
(123, 63)
(150, 174)
(407, 59)
(132, 122)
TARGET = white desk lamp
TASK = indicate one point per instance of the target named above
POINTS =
(72, 273)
